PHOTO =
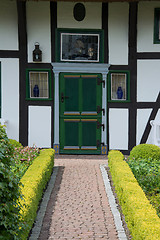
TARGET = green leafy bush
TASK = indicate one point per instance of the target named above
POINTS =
(10, 193)
(15, 143)
(145, 151)
(140, 215)
(147, 173)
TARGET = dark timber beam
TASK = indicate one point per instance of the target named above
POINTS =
(153, 114)
(132, 60)
(22, 37)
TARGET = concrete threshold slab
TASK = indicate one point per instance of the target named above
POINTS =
(113, 204)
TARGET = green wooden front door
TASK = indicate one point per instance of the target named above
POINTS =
(80, 97)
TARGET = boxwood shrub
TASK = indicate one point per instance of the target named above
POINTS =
(34, 182)
(15, 143)
(140, 216)
(145, 151)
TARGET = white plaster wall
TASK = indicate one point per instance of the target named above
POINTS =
(39, 132)
(38, 28)
(145, 27)
(118, 33)
(142, 120)
(10, 95)
(118, 129)
(148, 80)
(8, 25)
(65, 18)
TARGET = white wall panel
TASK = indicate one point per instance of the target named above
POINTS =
(39, 126)
(142, 120)
(8, 25)
(38, 28)
(65, 18)
(118, 33)
(10, 95)
(145, 27)
(118, 129)
(148, 80)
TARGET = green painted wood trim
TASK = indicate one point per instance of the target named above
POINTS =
(73, 30)
(0, 91)
(27, 84)
(38, 99)
(80, 152)
(156, 39)
(128, 86)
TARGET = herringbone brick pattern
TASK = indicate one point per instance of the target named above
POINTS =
(78, 207)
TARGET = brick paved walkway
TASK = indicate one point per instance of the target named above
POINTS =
(78, 207)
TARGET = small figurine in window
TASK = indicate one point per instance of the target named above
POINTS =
(119, 93)
(36, 91)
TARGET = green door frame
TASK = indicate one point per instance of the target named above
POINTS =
(61, 67)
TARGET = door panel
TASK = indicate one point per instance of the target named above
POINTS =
(71, 86)
(89, 92)
(71, 132)
(79, 97)
(89, 129)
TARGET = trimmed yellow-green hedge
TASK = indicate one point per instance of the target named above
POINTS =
(34, 182)
(141, 217)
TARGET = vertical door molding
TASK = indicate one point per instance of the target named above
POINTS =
(56, 111)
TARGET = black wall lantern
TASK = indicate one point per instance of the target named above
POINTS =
(37, 53)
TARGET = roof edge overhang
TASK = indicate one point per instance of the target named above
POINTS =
(105, 1)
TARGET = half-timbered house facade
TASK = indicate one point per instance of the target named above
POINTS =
(81, 77)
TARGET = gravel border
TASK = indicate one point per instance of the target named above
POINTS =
(41, 212)
(113, 204)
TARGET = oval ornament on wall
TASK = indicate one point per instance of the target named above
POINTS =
(79, 11)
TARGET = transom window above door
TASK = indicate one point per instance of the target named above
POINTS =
(79, 46)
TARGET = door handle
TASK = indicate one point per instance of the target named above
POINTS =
(63, 97)
(99, 81)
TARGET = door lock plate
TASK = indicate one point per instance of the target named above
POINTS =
(63, 97)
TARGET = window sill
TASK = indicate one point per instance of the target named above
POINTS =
(38, 99)
(117, 101)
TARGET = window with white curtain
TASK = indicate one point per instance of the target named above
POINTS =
(38, 84)
(118, 86)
